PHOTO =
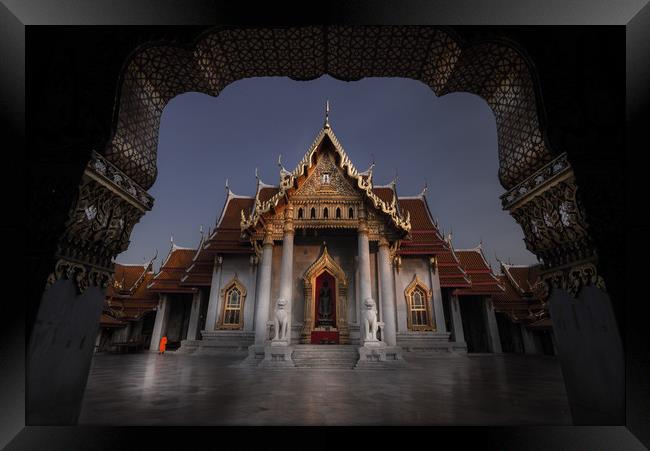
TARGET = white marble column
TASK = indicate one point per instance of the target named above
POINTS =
(491, 326)
(531, 345)
(263, 301)
(363, 251)
(456, 320)
(160, 325)
(193, 326)
(436, 295)
(215, 294)
(387, 294)
(286, 266)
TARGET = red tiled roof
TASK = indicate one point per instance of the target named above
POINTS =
(125, 277)
(509, 300)
(131, 304)
(266, 193)
(484, 282)
(226, 239)
(173, 269)
(384, 193)
(523, 278)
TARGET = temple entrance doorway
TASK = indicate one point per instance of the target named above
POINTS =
(325, 330)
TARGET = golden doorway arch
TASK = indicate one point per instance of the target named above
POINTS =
(325, 264)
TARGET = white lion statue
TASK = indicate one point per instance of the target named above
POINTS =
(281, 321)
(370, 324)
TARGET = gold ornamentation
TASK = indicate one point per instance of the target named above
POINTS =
(289, 180)
(325, 263)
(572, 279)
(414, 287)
(234, 284)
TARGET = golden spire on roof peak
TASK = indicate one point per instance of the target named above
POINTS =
(327, 113)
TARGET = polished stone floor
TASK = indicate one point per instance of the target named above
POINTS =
(447, 389)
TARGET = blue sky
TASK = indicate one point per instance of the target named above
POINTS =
(448, 141)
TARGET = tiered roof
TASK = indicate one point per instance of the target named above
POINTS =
(476, 267)
(386, 205)
(172, 270)
(225, 239)
(128, 299)
(521, 300)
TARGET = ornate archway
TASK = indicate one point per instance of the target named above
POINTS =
(325, 263)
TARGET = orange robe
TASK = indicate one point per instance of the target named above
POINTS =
(163, 344)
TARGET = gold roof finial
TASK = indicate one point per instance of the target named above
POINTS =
(327, 113)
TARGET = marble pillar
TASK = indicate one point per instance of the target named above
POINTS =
(491, 327)
(436, 297)
(215, 295)
(456, 320)
(192, 329)
(531, 344)
(286, 268)
(160, 325)
(387, 295)
(262, 303)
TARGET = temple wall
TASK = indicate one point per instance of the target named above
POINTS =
(403, 277)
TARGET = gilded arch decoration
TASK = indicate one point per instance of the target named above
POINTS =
(234, 292)
(416, 309)
(325, 263)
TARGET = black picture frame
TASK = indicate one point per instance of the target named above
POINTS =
(17, 16)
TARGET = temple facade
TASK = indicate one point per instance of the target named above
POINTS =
(326, 257)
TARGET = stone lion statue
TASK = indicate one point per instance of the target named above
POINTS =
(369, 317)
(281, 320)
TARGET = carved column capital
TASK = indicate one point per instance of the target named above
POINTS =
(107, 206)
(362, 228)
(383, 242)
(268, 236)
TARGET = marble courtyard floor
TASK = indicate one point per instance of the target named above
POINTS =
(445, 389)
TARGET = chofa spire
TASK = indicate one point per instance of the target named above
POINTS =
(327, 114)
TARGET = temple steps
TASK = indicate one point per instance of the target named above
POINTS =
(325, 356)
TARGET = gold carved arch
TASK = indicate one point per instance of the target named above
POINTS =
(325, 263)
(233, 283)
(417, 284)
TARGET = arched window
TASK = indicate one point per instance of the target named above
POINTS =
(325, 213)
(351, 213)
(338, 213)
(232, 301)
(312, 215)
(417, 301)
(300, 213)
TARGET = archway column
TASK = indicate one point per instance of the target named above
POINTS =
(286, 266)
(262, 303)
(387, 294)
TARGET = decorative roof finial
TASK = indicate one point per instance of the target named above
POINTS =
(227, 187)
(257, 174)
(424, 190)
(327, 113)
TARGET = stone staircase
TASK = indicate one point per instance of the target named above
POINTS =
(325, 356)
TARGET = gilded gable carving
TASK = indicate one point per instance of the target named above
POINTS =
(316, 186)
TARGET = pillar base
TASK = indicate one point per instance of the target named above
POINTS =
(377, 355)
(255, 356)
(277, 354)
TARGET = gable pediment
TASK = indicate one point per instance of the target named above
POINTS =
(326, 180)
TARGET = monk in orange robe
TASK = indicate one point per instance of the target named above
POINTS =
(163, 345)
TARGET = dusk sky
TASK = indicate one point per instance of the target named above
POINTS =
(448, 141)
